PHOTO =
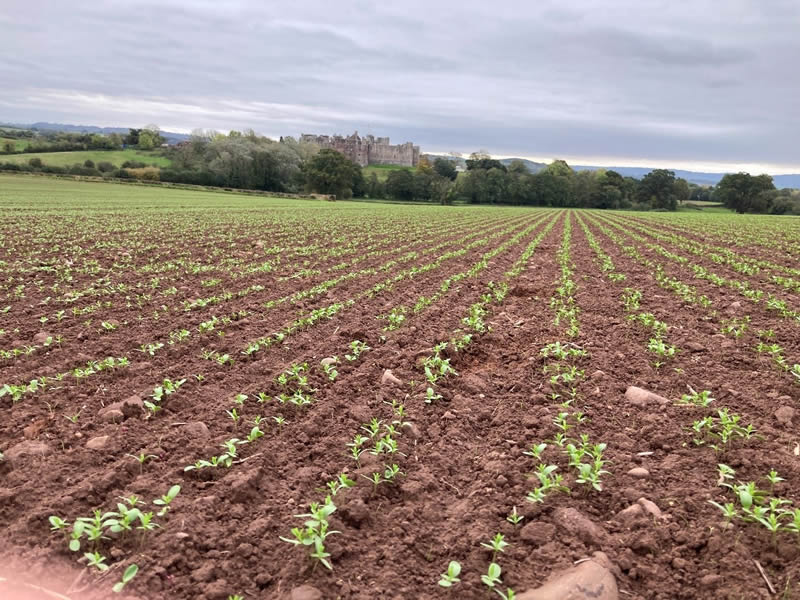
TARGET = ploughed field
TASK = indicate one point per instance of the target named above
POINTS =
(436, 375)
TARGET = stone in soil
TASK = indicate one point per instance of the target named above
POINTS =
(588, 580)
(131, 406)
(305, 592)
(641, 397)
(579, 525)
(639, 473)
(97, 443)
(388, 378)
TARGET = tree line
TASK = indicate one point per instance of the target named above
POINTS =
(247, 160)
(146, 138)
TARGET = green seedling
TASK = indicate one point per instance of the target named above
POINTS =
(536, 451)
(431, 396)
(142, 458)
(254, 434)
(95, 559)
(356, 348)
(74, 418)
(514, 517)
(165, 500)
(496, 544)
(492, 576)
(697, 399)
(451, 575)
(127, 576)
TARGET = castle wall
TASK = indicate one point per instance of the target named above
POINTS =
(368, 150)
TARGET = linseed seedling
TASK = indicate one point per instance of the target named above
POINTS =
(74, 418)
(254, 434)
(496, 544)
(431, 396)
(167, 499)
(357, 347)
(127, 576)
(536, 451)
(514, 517)
(97, 560)
(142, 458)
(492, 576)
(451, 575)
(697, 399)
(234, 415)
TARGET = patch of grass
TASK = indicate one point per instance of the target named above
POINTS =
(382, 171)
(116, 157)
(19, 144)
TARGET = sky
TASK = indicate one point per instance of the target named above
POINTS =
(702, 85)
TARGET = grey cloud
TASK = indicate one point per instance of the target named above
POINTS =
(625, 79)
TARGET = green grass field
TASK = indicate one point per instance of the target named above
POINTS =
(19, 144)
(36, 192)
(382, 171)
(116, 157)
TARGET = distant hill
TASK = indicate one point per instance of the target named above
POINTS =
(171, 137)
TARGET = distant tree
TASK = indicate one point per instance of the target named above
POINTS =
(658, 189)
(681, 190)
(88, 163)
(400, 184)
(744, 193)
(132, 139)
(424, 165)
(35, 162)
(146, 140)
(481, 160)
(445, 168)
(9, 147)
(105, 166)
(330, 172)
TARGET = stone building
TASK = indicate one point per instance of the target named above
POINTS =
(368, 150)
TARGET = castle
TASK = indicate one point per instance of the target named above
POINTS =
(367, 150)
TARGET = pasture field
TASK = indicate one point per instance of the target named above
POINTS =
(65, 159)
(382, 171)
(19, 144)
(410, 380)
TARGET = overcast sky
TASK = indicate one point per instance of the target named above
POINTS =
(701, 84)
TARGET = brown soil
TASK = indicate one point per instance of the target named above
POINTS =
(463, 462)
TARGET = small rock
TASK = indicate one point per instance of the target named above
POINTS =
(695, 347)
(449, 416)
(709, 580)
(326, 362)
(182, 535)
(131, 406)
(630, 514)
(388, 378)
(640, 397)
(784, 415)
(97, 443)
(112, 416)
(578, 524)
(597, 375)
(41, 337)
(537, 533)
(197, 429)
(588, 580)
(733, 307)
(26, 449)
(650, 508)
(639, 473)
(306, 592)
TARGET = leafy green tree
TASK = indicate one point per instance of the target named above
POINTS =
(657, 189)
(744, 193)
(400, 184)
(681, 190)
(330, 172)
(445, 168)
